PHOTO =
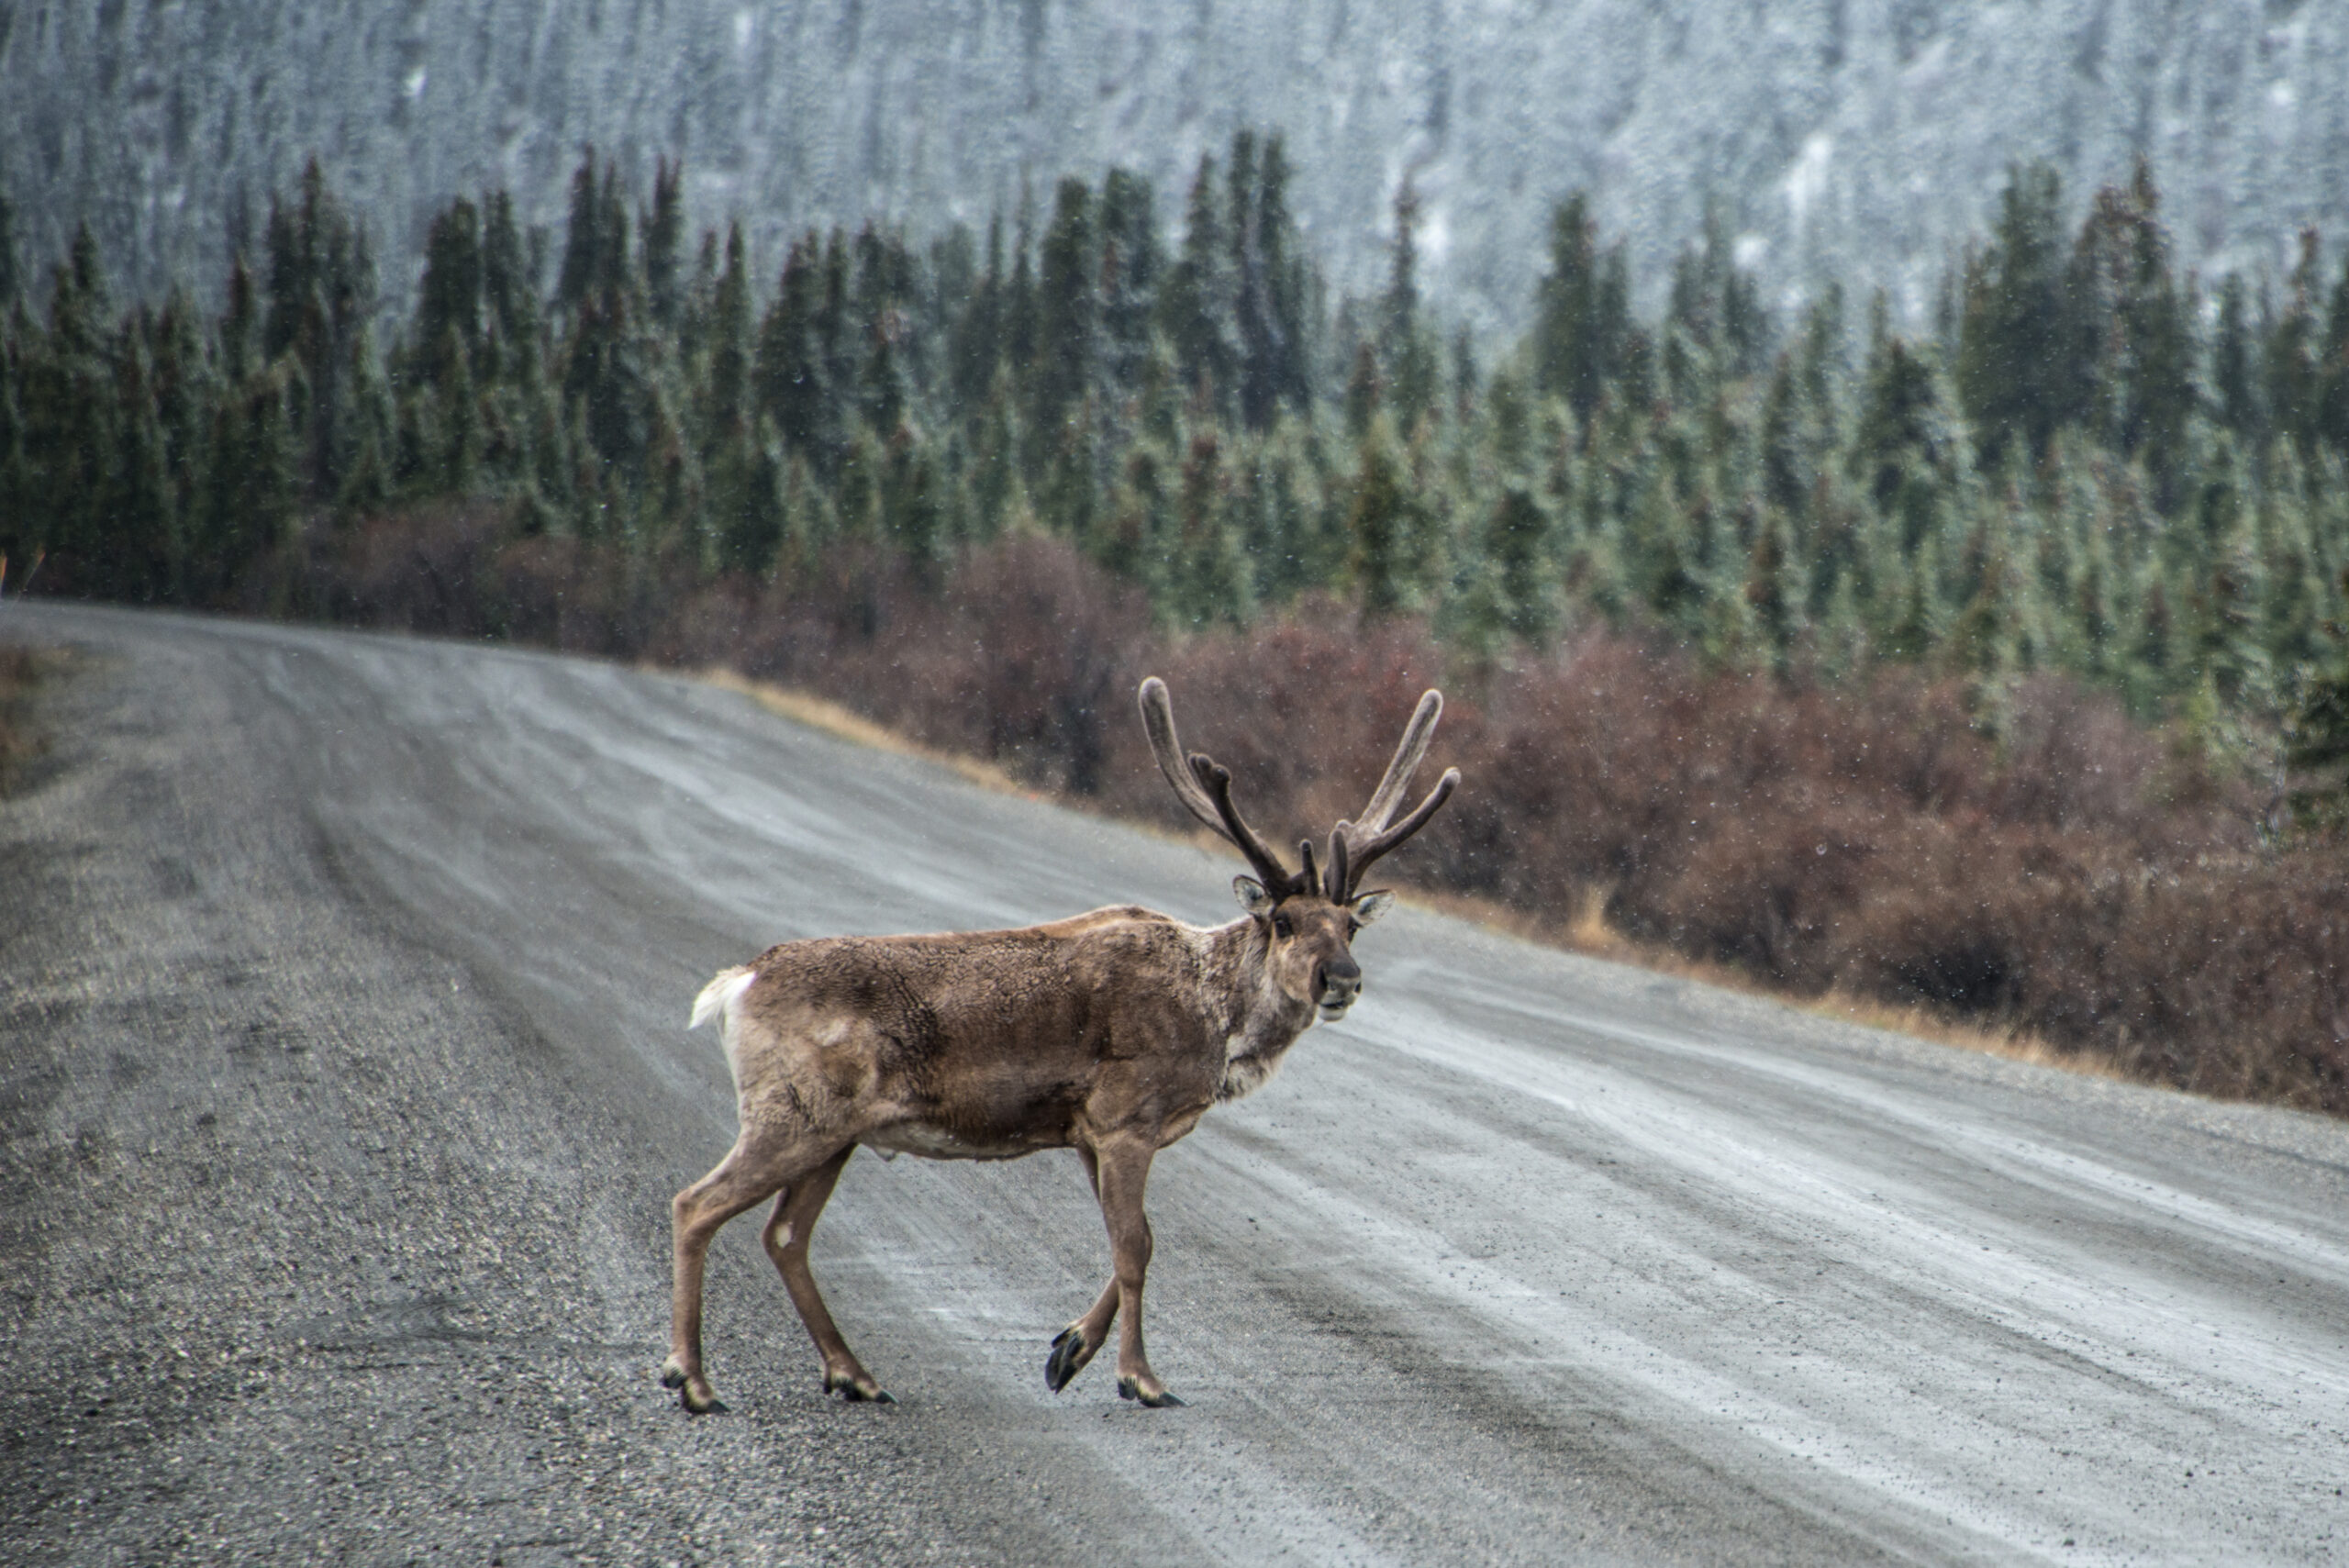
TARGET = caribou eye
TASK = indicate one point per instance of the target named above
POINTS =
(1353, 927)
(1281, 927)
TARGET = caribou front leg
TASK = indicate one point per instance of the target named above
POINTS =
(1125, 1172)
(1075, 1345)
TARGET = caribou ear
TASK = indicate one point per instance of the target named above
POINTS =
(1371, 905)
(1252, 895)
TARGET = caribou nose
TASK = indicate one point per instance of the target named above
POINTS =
(1340, 981)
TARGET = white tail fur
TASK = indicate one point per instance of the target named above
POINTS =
(719, 995)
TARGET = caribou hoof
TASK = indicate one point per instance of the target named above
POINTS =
(1132, 1388)
(852, 1392)
(693, 1392)
(1068, 1358)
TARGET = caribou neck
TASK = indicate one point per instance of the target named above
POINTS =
(1253, 1018)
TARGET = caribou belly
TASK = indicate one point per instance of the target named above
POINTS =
(933, 1142)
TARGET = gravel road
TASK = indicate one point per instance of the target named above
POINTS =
(344, 1082)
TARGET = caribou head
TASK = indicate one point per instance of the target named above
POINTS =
(1309, 916)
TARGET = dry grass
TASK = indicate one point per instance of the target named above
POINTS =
(831, 718)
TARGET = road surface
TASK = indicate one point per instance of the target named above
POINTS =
(344, 1082)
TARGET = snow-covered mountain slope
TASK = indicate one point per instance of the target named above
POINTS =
(1861, 138)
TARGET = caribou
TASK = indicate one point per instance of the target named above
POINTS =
(1111, 1033)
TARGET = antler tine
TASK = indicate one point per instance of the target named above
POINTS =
(1408, 755)
(1379, 843)
(1158, 718)
(1335, 889)
(1308, 878)
(1217, 778)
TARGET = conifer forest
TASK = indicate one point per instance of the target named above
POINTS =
(1993, 666)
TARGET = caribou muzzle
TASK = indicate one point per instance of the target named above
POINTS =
(1336, 983)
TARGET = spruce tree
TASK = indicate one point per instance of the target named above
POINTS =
(320, 291)
(1774, 589)
(2230, 588)
(2294, 384)
(2331, 419)
(1901, 428)
(1136, 530)
(509, 292)
(2316, 743)
(145, 555)
(1195, 308)
(664, 233)
(240, 324)
(1365, 389)
(1017, 306)
(12, 281)
(18, 503)
(185, 382)
(1130, 266)
(1378, 564)
(788, 372)
(2134, 331)
(1406, 355)
(1276, 302)
(1517, 541)
(2020, 367)
(834, 333)
(881, 389)
(726, 409)
(1582, 311)
(605, 375)
(1208, 575)
(1067, 311)
(977, 337)
(584, 242)
(461, 434)
(2234, 382)
(367, 482)
(1716, 304)
(449, 301)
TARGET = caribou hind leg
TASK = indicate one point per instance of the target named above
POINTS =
(745, 1178)
(785, 1237)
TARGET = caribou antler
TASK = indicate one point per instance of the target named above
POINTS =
(1409, 754)
(1345, 876)
(1204, 786)
(1354, 845)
